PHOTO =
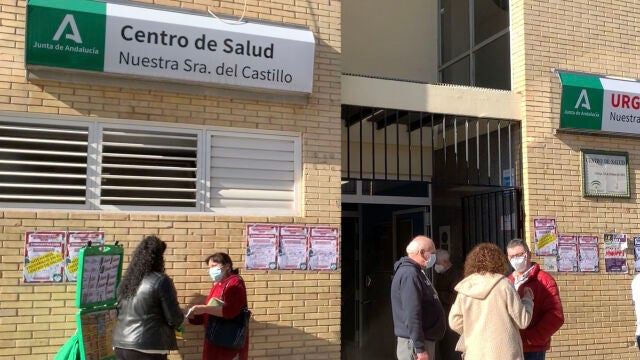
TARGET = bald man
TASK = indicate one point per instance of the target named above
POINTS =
(418, 316)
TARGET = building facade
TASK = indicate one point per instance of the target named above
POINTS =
(439, 117)
(291, 140)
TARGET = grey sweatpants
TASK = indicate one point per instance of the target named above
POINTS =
(406, 351)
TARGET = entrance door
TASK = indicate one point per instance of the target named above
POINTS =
(385, 233)
(406, 225)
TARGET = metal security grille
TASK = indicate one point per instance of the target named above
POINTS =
(43, 163)
(255, 172)
(475, 151)
(388, 144)
(492, 217)
(144, 167)
(385, 144)
(472, 166)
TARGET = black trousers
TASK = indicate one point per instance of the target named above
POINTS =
(128, 354)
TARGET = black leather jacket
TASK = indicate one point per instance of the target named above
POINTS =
(147, 320)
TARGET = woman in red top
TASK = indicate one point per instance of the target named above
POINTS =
(229, 287)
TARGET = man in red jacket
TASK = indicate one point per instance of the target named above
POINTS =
(548, 316)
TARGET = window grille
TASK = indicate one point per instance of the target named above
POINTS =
(95, 164)
(143, 167)
(43, 163)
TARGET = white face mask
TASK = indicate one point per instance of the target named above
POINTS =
(438, 268)
(519, 264)
(432, 260)
(216, 273)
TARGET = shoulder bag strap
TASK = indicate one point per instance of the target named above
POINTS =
(223, 289)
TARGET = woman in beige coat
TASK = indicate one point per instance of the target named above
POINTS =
(488, 312)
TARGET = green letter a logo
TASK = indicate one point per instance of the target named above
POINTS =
(74, 35)
(583, 100)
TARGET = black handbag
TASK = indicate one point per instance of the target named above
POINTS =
(228, 333)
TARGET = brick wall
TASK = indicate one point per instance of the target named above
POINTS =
(296, 314)
(595, 37)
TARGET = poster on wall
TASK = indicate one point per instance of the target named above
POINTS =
(262, 245)
(588, 257)
(323, 248)
(550, 263)
(43, 261)
(636, 253)
(615, 258)
(567, 253)
(293, 248)
(75, 240)
(545, 236)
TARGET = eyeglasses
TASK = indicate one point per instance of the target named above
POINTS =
(522, 254)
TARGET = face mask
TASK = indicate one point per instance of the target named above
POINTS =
(438, 268)
(519, 263)
(215, 273)
(429, 263)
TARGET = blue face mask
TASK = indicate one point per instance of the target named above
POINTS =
(216, 273)
(429, 263)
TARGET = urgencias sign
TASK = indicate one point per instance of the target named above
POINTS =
(599, 104)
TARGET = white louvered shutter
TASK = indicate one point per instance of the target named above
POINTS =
(255, 173)
(43, 163)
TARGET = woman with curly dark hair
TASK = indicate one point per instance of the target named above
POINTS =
(488, 312)
(148, 310)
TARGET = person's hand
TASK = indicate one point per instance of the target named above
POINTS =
(197, 310)
(528, 294)
(422, 356)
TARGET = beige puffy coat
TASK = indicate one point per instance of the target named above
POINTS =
(488, 313)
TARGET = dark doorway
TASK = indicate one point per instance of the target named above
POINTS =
(350, 283)
(374, 236)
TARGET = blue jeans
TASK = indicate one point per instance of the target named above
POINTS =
(536, 355)
(638, 341)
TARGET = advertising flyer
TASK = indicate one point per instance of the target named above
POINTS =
(262, 245)
(545, 236)
(588, 257)
(567, 253)
(615, 258)
(323, 248)
(99, 277)
(636, 253)
(97, 332)
(293, 248)
(75, 240)
(43, 261)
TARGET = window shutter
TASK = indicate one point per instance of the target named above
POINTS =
(43, 163)
(255, 173)
(148, 167)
